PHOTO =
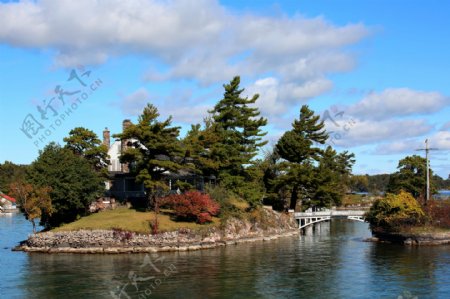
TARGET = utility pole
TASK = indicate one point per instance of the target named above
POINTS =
(427, 149)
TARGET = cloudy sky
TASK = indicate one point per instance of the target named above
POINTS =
(376, 71)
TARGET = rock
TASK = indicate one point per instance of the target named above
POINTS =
(113, 241)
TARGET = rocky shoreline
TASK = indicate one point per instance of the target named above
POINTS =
(413, 239)
(236, 231)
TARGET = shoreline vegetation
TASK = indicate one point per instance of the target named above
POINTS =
(266, 225)
(401, 218)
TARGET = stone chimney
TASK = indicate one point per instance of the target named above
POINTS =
(125, 124)
(107, 138)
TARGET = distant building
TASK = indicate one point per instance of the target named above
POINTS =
(7, 202)
(121, 184)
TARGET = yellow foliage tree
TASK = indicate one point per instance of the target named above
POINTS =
(394, 212)
(33, 201)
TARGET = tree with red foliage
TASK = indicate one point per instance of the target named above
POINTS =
(192, 206)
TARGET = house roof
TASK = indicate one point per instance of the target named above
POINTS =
(9, 198)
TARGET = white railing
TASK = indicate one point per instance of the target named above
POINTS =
(331, 213)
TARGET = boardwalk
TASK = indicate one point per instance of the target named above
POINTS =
(310, 218)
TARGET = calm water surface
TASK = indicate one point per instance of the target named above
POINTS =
(331, 262)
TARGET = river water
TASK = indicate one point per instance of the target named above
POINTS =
(330, 262)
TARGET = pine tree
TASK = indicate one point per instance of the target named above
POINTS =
(298, 148)
(153, 148)
(331, 178)
(199, 145)
(84, 142)
(237, 126)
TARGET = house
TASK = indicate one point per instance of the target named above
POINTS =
(7, 202)
(122, 184)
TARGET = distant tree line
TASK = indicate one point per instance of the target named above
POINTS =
(413, 180)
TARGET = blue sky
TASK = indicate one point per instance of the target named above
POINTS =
(380, 69)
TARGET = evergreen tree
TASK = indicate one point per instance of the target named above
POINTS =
(85, 143)
(73, 183)
(298, 147)
(200, 146)
(237, 127)
(153, 149)
(331, 178)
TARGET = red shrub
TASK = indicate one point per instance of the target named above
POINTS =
(192, 206)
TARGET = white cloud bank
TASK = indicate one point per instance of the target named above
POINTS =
(288, 58)
(396, 102)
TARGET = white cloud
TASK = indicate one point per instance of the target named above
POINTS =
(276, 97)
(134, 103)
(408, 146)
(440, 140)
(363, 132)
(186, 114)
(176, 104)
(398, 102)
(196, 40)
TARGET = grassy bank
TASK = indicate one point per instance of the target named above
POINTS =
(131, 220)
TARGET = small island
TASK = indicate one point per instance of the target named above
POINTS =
(214, 187)
(407, 215)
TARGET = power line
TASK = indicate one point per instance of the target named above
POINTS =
(427, 149)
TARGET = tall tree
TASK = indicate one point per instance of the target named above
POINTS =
(411, 177)
(73, 182)
(85, 143)
(153, 148)
(299, 148)
(200, 145)
(331, 178)
(238, 127)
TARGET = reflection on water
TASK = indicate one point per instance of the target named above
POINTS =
(331, 261)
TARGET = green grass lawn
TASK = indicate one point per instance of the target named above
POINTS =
(131, 220)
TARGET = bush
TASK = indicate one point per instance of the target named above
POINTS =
(192, 206)
(439, 213)
(395, 212)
